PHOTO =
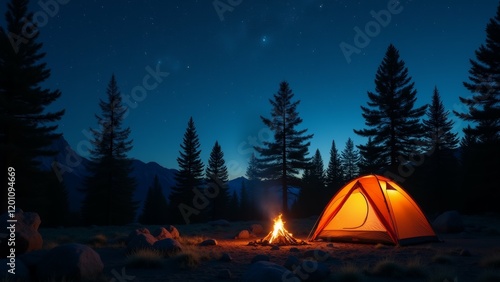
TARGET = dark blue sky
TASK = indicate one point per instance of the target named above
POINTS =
(223, 72)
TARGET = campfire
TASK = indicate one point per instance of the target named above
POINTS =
(279, 235)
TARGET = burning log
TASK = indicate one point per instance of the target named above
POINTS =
(279, 236)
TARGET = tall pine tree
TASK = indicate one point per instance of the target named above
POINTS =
(350, 159)
(312, 196)
(483, 112)
(26, 126)
(393, 121)
(370, 161)
(155, 206)
(217, 178)
(334, 175)
(286, 156)
(186, 198)
(109, 188)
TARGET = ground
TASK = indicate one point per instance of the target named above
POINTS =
(472, 255)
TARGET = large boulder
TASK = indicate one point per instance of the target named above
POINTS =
(26, 233)
(448, 222)
(137, 232)
(264, 271)
(14, 272)
(73, 262)
(173, 232)
(141, 241)
(161, 233)
(167, 246)
(257, 229)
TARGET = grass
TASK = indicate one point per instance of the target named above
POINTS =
(443, 274)
(348, 273)
(388, 268)
(415, 269)
(491, 261)
(145, 258)
(441, 258)
(191, 256)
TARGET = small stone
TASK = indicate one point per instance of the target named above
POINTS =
(260, 258)
(330, 245)
(225, 257)
(209, 242)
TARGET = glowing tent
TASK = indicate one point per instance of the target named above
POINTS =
(373, 209)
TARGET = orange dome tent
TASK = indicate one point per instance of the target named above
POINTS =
(373, 209)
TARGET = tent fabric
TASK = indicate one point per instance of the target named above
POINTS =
(373, 209)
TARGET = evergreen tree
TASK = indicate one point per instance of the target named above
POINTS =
(245, 203)
(109, 188)
(155, 205)
(439, 170)
(483, 112)
(26, 126)
(350, 160)
(393, 121)
(370, 161)
(312, 195)
(234, 207)
(189, 180)
(334, 175)
(438, 136)
(217, 178)
(284, 157)
(253, 173)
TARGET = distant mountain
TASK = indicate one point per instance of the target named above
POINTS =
(72, 168)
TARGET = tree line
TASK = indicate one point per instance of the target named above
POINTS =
(415, 146)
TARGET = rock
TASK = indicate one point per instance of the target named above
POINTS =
(311, 270)
(224, 274)
(225, 257)
(448, 222)
(167, 246)
(465, 253)
(174, 232)
(26, 232)
(243, 234)
(73, 262)
(32, 259)
(275, 248)
(220, 222)
(260, 258)
(317, 255)
(264, 271)
(21, 272)
(209, 242)
(136, 232)
(257, 229)
(141, 241)
(294, 250)
(161, 233)
(292, 262)
(330, 245)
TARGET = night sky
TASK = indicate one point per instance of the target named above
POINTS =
(225, 66)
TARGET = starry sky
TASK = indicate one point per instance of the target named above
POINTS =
(221, 61)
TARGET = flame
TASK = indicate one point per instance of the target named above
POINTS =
(278, 230)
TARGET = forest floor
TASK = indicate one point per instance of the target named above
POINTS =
(472, 255)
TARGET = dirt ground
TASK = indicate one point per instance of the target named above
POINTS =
(472, 255)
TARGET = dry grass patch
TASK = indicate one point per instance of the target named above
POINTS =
(192, 256)
(348, 273)
(415, 269)
(145, 258)
(388, 268)
(443, 258)
(443, 274)
(491, 261)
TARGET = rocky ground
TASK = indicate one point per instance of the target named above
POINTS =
(470, 255)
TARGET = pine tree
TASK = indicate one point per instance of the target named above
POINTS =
(350, 160)
(245, 203)
(312, 196)
(334, 174)
(283, 158)
(155, 206)
(393, 121)
(483, 112)
(438, 136)
(252, 172)
(26, 125)
(370, 161)
(189, 180)
(109, 189)
(217, 178)
(441, 166)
